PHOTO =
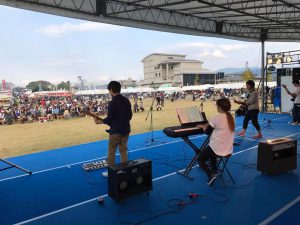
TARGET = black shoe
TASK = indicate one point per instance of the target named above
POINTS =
(211, 180)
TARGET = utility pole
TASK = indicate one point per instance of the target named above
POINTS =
(81, 80)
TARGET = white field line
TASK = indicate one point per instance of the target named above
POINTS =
(280, 211)
(95, 159)
(93, 199)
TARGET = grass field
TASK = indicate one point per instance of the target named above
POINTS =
(21, 139)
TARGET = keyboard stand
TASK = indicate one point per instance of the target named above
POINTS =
(195, 158)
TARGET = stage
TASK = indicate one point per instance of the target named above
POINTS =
(60, 192)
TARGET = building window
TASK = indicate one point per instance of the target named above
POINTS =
(196, 79)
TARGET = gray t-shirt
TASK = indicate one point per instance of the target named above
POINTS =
(252, 101)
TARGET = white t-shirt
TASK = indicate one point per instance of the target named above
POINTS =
(297, 99)
(221, 139)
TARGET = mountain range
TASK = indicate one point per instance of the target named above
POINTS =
(238, 70)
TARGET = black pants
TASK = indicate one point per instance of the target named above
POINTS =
(208, 161)
(296, 112)
(253, 116)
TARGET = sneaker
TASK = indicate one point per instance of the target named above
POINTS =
(241, 134)
(294, 123)
(211, 180)
(105, 174)
(257, 136)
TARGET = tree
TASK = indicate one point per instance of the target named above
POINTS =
(36, 85)
(64, 85)
(197, 79)
(17, 90)
(247, 75)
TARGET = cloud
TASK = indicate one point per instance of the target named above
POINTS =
(185, 47)
(282, 46)
(103, 78)
(199, 50)
(235, 47)
(121, 78)
(202, 54)
(66, 28)
(65, 62)
(218, 54)
(193, 45)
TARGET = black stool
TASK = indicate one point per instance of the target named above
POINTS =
(221, 166)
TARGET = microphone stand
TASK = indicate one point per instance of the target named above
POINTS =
(150, 112)
(201, 105)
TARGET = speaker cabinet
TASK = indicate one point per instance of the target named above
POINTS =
(296, 73)
(277, 156)
(130, 178)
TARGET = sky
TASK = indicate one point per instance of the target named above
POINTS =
(36, 46)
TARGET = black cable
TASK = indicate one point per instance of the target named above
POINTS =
(242, 186)
(226, 199)
(245, 165)
(176, 205)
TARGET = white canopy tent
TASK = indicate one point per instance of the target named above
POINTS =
(224, 86)
(197, 87)
(138, 90)
(125, 91)
(169, 89)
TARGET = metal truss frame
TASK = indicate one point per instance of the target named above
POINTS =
(279, 59)
(251, 20)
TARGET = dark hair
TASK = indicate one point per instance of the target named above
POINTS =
(251, 83)
(114, 86)
(295, 81)
(225, 105)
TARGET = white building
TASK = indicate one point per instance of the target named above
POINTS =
(176, 70)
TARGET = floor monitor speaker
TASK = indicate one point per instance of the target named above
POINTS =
(129, 178)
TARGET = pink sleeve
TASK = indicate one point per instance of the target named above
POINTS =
(213, 122)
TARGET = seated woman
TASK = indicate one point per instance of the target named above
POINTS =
(221, 131)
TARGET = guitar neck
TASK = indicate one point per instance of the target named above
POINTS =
(94, 115)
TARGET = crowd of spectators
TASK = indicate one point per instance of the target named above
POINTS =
(23, 109)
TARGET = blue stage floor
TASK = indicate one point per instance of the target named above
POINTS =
(60, 192)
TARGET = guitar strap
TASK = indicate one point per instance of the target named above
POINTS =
(248, 96)
(249, 93)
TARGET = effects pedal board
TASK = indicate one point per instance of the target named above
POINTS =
(94, 165)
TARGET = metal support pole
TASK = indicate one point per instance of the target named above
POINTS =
(263, 75)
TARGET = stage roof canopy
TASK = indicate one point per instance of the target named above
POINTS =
(250, 20)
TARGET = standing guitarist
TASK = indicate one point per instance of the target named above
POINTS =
(118, 118)
(296, 97)
(252, 103)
